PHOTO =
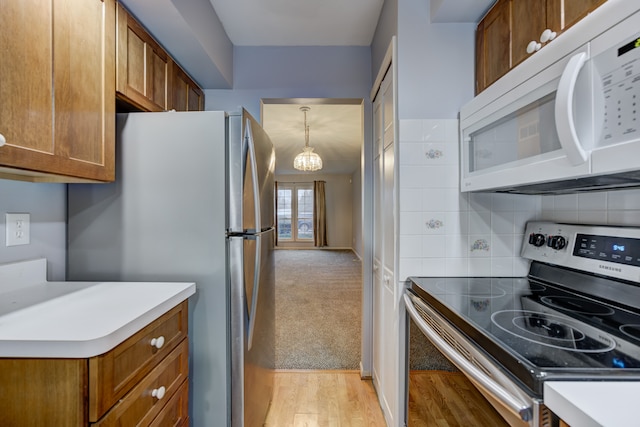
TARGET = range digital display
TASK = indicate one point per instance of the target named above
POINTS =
(621, 250)
(629, 46)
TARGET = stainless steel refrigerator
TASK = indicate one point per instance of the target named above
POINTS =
(193, 201)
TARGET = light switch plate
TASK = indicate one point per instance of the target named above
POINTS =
(18, 228)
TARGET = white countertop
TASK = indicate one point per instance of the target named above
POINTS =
(594, 403)
(78, 319)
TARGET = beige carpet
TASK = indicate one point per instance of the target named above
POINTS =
(318, 309)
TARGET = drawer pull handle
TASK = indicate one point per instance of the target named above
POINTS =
(158, 393)
(157, 342)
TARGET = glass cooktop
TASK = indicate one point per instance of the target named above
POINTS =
(538, 331)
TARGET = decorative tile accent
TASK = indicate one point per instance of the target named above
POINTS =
(434, 154)
(480, 245)
(434, 224)
(480, 305)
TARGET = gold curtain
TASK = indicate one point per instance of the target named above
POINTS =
(275, 212)
(319, 214)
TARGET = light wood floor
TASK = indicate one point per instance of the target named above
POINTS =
(342, 399)
(438, 398)
(323, 399)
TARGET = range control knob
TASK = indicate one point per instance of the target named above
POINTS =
(556, 242)
(537, 239)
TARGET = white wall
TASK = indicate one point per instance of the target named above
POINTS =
(47, 205)
(339, 200)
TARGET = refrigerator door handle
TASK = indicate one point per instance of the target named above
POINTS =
(256, 288)
(253, 165)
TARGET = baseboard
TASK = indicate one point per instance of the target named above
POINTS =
(323, 248)
(365, 375)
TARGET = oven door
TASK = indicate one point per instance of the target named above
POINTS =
(512, 403)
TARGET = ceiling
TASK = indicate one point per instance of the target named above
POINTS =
(322, 23)
(299, 22)
(185, 26)
(335, 132)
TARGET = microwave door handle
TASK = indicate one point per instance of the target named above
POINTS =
(564, 110)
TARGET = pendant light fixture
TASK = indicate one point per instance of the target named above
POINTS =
(307, 161)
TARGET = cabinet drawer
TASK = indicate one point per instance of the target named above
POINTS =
(176, 412)
(143, 403)
(114, 373)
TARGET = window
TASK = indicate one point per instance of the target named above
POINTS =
(295, 206)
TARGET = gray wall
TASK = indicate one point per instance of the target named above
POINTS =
(386, 29)
(295, 72)
(47, 205)
(435, 64)
(436, 61)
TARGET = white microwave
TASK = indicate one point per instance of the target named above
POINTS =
(565, 120)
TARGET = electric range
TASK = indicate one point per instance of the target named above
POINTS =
(576, 316)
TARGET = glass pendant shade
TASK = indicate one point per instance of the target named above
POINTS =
(307, 161)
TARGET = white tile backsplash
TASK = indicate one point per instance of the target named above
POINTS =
(596, 201)
(623, 200)
(434, 130)
(480, 222)
(411, 130)
(411, 199)
(566, 202)
(624, 217)
(592, 216)
(432, 207)
(463, 234)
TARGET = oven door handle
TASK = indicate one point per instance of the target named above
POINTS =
(516, 404)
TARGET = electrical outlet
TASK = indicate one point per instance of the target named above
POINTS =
(18, 228)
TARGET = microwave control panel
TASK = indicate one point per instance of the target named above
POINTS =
(617, 72)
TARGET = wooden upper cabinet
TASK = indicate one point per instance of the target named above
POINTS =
(147, 77)
(528, 23)
(493, 45)
(511, 26)
(187, 96)
(562, 14)
(142, 65)
(57, 79)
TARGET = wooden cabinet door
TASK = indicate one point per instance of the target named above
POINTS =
(527, 25)
(187, 96)
(142, 65)
(493, 54)
(84, 84)
(26, 110)
(43, 392)
(57, 76)
(575, 10)
(562, 14)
